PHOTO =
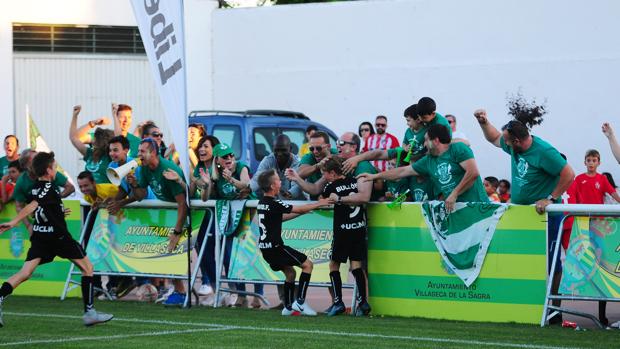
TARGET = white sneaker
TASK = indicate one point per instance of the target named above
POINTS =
(231, 299)
(92, 317)
(208, 301)
(290, 312)
(615, 325)
(304, 309)
(205, 290)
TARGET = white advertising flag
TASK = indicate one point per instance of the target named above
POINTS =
(161, 28)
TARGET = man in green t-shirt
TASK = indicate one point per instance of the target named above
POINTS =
(540, 175)
(11, 149)
(413, 142)
(450, 166)
(122, 114)
(309, 165)
(348, 146)
(165, 179)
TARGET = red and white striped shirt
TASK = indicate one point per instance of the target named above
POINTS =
(384, 142)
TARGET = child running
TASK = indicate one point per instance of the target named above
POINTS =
(271, 213)
(50, 238)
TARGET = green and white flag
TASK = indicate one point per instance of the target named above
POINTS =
(228, 213)
(463, 236)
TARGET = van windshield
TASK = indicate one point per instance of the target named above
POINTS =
(265, 136)
(230, 135)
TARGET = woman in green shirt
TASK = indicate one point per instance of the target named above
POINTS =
(230, 179)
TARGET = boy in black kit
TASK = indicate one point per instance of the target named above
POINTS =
(50, 238)
(271, 213)
(349, 235)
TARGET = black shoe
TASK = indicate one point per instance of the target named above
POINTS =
(604, 321)
(337, 308)
(363, 309)
(556, 320)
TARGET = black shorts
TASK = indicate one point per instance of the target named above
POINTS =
(349, 245)
(283, 256)
(47, 248)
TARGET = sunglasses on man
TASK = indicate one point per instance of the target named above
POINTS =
(341, 142)
(318, 148)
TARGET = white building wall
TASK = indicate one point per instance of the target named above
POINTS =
(343, 63)
(51, 84)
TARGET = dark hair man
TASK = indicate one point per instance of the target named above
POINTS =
(381, 140)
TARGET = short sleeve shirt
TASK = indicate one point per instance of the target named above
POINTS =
(420, 189)
(24, 185)
(49, 216)
(270, 211)
(446, 173)
(164, 189)
(97, 168)
(589, 190)
(439, 120)
(416, 140)
(104, 191)
(348, 219)
(534, 172)
(134, 144)
(4, 166)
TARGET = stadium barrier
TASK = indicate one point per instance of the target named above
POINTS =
(134, 243)
(591, 271)
(48, 280)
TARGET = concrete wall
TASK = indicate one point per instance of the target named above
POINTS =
(343, 63)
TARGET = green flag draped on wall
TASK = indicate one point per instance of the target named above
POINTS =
(228, 213)
(463, 236)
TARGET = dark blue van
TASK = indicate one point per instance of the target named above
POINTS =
(251, 133)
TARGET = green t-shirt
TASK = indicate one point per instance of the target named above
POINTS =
(24, 185)
(397, 187)
(134, 144)
(535, 172)
(4, 166)
(441, 120)
(446, 173)
(226, 190)
(164, 189)
(416, 139)
(99, 168)
(309, 159)
(420, 190)
(363, 167)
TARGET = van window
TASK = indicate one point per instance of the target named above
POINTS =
(297, 137)
(263, 141)
(231, 135)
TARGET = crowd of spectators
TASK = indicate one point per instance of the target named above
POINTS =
(433, 161)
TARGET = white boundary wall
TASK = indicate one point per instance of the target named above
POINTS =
(343, 63)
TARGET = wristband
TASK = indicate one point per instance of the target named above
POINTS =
(550, 198)
(339, 201)
(177, 233)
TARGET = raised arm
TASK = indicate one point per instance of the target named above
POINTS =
(490, 132)
(608, 131)
(73, 131)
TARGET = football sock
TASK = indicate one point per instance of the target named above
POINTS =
(5, 290)
(304, 280)
(334, 276)
(87, 292)
(289, 290)
(360, 281)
